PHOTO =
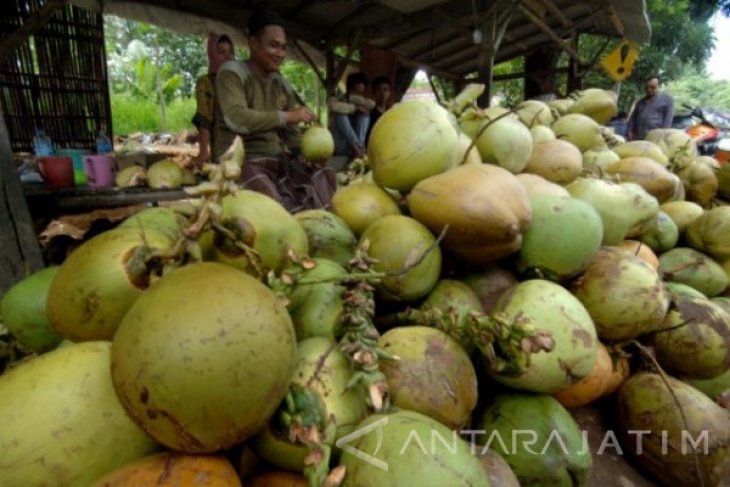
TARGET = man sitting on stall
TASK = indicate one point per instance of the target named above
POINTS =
(257, 103)
(351, 117)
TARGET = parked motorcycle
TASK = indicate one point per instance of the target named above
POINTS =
(707, 127)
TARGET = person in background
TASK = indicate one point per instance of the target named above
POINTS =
(382, 93)
(351, 117)
(653, 111)
(220, 50)
(256, 102)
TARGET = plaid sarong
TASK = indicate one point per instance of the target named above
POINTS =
(294, 183)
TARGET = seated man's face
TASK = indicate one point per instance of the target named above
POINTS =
(358, 89)
(382, 93)
(225, 52)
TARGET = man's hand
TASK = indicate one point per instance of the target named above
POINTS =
(301, 114)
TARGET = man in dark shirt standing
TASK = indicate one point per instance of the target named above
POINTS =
(654, 111)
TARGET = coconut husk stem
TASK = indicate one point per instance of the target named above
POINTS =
(303, 417)
(481, 131)
(506, 345)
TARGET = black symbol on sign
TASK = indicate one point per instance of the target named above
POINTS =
(624, 55)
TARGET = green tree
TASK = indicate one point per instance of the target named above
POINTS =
(682, 39)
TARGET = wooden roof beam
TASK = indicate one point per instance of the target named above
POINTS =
(540, 24)
(544, 6)
(406, 23)
(618, 24)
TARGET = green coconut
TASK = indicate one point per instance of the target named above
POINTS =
(663, 235)
(560, 106)
(649, 174)
(722, 301)
(714, 387)
(450, 296)
(536, 185)
(317, 145)
(262, 224)
(682, 213)
(485, 207)
(557, 161)
(98, 283)
(676, 144)
(408, 448)
(473, 120)
(710, 233)
(164, 174)
(533, 113)
(195, 385)
(431, 375)
(552, 308)
(316, 309)
(695, 269)
(410, 142)
(679, 289)
(708, 161)
(160, 218)
(359, 205)
(554, 454)
(328, 235)
(600, 105)
(580, 130)
(562, 239)
(596, 161)
(700, 183)
(62, 421)
(647, 404)
(622, 206)
(23, 311)
(641, 148)
(645, 208)
(623, 294)
(506, 143)
(704, 336)
(405, 248)
(541, 133)
(130, 177)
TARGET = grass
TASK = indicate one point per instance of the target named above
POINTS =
(131, 115)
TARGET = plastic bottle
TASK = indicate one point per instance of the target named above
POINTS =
(103, 143)
(42, 144)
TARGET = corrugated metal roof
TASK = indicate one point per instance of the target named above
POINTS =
(436, 34)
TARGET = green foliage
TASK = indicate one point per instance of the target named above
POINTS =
(695, 88)
(184, 54)
(130, 114)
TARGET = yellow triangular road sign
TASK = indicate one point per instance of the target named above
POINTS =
(619, 62)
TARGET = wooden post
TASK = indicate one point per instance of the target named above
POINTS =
(21, 253)
(574, 81)
(499, 24)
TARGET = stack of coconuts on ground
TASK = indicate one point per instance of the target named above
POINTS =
(492, 273)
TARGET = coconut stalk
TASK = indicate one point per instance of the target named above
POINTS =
(506, 346)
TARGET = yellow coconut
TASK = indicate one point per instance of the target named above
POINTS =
(641, 148)
(648, 174)
(485, 207)
(557, 161)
